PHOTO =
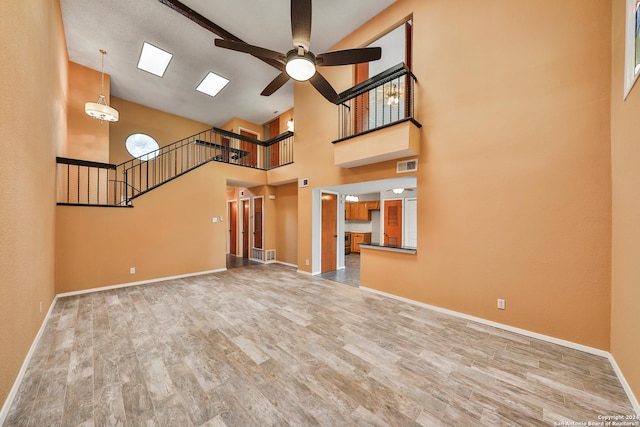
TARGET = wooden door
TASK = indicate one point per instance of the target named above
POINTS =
(361, 103)
(233, 227)
(393, 222)
(329, 231)
(252, 158)
(274, 149)
(225, 143)
(257, 222)
(244, 205)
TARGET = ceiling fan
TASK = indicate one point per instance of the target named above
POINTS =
(300, 63)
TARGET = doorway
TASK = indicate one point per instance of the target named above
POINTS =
(329, 231)
(232, 214)
(392, 222)
(258, 219)
(244, 226)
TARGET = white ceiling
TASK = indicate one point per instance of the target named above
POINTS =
(121, 26)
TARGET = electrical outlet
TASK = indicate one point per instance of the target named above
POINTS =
(307, 262)
(132, 270)
(501, 304)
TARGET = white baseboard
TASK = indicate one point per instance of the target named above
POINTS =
(305, 272)
(524, 332)
(287, 264)
(4, 412)
(625, 385)
(141, 282)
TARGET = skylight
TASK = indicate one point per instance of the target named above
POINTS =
(212, 84)
(154, 60)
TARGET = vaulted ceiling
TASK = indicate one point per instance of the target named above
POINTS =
(121, 26)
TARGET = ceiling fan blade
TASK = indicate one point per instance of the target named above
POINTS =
(301, 23)
(349, 56)
(250, 49)
(275, 84)
(322, 85)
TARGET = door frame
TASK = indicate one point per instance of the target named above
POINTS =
(240, 216)
(382, 201)
(253, 223)
(229, 203)
(336, 231)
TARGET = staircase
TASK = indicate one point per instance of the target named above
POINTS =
(85, 183)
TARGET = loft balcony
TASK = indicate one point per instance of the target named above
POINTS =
(376, 121)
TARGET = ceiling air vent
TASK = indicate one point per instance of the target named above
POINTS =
(407, 166)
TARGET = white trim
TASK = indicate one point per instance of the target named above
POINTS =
(287, 264)
(630, 74)
(625, 385)
(141, 282)
(564, 343)
(306, 272)
(4, 412)
(569, 344)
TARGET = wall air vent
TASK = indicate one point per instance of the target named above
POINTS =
(407, 166)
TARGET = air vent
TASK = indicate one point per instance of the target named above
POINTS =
(270, 255)
(407, 166)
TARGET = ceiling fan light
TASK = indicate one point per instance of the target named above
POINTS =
(301, 68)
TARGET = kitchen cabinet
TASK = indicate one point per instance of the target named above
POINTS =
(357, 238)
(360, 211)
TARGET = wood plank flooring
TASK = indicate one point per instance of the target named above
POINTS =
(264, 345)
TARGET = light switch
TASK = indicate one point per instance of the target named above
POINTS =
(221, 218)
(214, 219)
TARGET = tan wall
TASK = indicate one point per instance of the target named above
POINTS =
(168, 232)
(286, 224)
(236, 123)
(33, 72)
(165, 128)
(514, 171)
(87, 138)
(625, 157)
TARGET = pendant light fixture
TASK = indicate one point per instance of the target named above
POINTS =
(100, 109)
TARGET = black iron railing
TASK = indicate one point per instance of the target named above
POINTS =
(102, 184)
(380, 101)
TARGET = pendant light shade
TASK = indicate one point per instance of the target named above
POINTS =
(100, 109)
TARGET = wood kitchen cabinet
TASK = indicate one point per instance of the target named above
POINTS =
(357, 238)
(360, 211)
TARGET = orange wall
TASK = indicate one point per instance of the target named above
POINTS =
(33, 72)
(87, 138)
(625, 159)
(165, 128)
(286, 224)
(514, 171)
(168, 232)
(236, 123)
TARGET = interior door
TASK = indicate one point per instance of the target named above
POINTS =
(329, 231)
(392, 222)
(225, 143)
(252, 158)
(361, 104)
(244, 205)
(274, 149)
(233, 227)
(257, 222)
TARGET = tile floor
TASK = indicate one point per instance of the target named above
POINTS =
(264, 345)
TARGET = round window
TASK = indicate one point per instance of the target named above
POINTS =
(142, 146)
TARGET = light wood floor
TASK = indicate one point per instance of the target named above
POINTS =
(268, 346)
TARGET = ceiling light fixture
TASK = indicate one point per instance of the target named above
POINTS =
(100, 109)
(212, 84)
(153, 59)
(398, 190)
(301, 65)
(351, 198)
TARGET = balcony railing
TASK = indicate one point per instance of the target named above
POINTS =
(380, 101)
(102, 184)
